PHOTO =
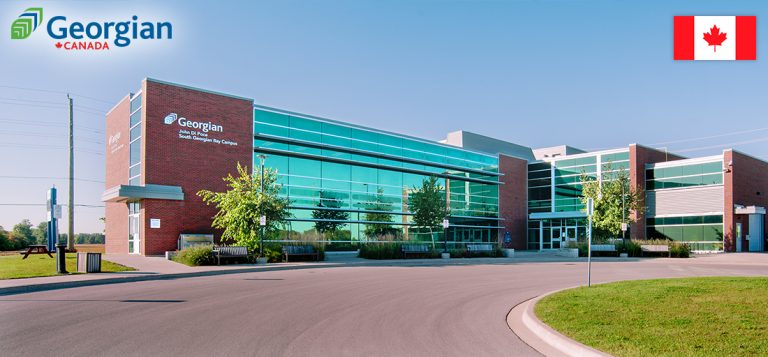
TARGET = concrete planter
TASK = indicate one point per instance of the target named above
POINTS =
(445, 255)
(261, 260)
(170, 254)
(568, 252)
(509, 253)
(623, 255)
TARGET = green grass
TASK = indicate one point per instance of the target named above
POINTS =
(13, 267)
(667, 317)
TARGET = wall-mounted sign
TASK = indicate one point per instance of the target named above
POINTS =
(202, 131)
(154, 223)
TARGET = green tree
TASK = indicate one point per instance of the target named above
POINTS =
(5, 243)
(379, 209)
(40, 233)
(241, 206)
(22, 234)
(614, 200)
(428, 206)
(331, 217)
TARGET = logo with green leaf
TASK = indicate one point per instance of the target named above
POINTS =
(26, 23)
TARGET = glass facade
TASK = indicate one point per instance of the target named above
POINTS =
(134, 172)
(360, 180)
(700, 232)
(555, 186)
(710, 173)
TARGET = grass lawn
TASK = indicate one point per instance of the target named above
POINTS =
(670, 317)
(13, 267)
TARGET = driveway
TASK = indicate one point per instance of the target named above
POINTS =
(424, 310)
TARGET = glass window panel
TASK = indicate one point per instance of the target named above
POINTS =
(136, 118)
(136, 151)
(134, 170)
(135, 132)
(135, 102)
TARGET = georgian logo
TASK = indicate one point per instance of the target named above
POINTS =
(27, 23)
(199, 125)
(170, 118)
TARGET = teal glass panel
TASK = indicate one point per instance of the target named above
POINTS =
(136, 118)
(621, 156)
(135, 154)
(576, 162)
(135, 102)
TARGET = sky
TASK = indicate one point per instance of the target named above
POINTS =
(590, 74)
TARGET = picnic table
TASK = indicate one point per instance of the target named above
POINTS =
(35, 249)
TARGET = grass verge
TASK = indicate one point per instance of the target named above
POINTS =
(37, 265)
(720, 316)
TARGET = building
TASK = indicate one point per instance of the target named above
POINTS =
(166, 142)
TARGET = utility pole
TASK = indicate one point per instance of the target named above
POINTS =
(71, 210)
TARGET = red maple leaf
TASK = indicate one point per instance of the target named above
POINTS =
(58, 44)
(714, 37)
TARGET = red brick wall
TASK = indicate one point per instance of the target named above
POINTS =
(748, 176)
(117, 153)
(639, 156)
(513, 200)
(192, 165)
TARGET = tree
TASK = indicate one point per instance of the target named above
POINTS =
(332, 218)
(428, 206)
(5, 243)
(40, 233)
(614, 199)
(241, 206)
(22, 234)
(378, 213)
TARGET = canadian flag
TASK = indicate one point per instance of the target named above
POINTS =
(715, 38)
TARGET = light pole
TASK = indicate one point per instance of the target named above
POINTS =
(263, 218)
(446, 223)
(590, 211)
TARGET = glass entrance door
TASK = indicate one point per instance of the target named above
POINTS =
(570, 235)
(557, 237)
(134, 238)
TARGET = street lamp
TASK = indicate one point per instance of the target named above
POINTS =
(263, 218)
(446, 223)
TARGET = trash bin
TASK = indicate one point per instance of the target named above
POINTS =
(89, 262)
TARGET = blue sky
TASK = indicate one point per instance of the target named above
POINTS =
(591, 74)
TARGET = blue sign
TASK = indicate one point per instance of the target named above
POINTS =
(507, 237)
(53, 224)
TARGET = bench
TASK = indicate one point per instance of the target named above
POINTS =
(655, 248)
(35, 249)
(479, 248)
(300, 250)
(414, 249)
(230, 252)
(608, 248)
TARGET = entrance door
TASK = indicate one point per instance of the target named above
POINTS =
(557, 237)
(570, 235)
(134, 239)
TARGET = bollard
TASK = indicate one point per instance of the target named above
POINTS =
(61, 259)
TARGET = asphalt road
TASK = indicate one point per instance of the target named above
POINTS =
(433, 310)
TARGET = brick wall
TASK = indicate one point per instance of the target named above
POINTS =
(746, 184)
(192, 165)
(513, 200)
(117, 160)
(639, 156)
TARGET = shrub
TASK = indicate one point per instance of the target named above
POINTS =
(381, 251)
(632, 248)
(195, 255)
(341, 247)
(680, 250)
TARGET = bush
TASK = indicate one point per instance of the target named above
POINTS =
(195, 255)
(341, 247)
(381, 251)
(680, 250)
(632, 248)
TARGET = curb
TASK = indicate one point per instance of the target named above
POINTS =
(523, 322)
(23, 289)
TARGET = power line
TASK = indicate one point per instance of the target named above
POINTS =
(35, 146)
(724, 145)
(53, 136)
(58, 92)
(48, 178)
(43, 204)
(711, 136)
